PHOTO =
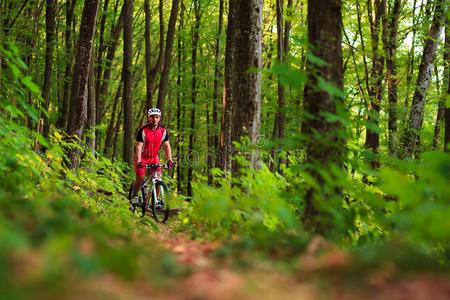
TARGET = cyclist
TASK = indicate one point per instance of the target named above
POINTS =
(149, 139)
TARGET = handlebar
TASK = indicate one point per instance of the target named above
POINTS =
(154, 166)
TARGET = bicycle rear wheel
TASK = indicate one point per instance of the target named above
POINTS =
(160, 207)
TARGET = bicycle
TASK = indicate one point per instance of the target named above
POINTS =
(158, 188)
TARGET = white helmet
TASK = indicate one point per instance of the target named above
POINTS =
(154, 111)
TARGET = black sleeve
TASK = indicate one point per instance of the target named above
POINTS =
(139, 137)
(166, 139)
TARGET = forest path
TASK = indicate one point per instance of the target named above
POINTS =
(322, 276)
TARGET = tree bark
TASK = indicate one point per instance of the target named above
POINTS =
(62, 118)
(101, 49)
(280, 117)
(1, 29)
(128, 136)
(376, 80)
(164, 81)
(242, 81)
(324, 38)
(217, 75)
(412, 130)
(180, 49)
(151, 72)
(90, 141)
(195, 35)
(112, 122)
(447, 82)
(390, 29)
(78, 99)
(114, 40)
(50, 23)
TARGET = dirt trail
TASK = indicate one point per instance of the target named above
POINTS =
(320, 277)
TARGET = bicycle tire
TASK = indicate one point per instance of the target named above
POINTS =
(161, 214)
(145, 198)
(130, 195)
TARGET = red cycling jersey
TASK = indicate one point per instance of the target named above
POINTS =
(152, 140)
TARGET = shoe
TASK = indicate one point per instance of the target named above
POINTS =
(134, 200)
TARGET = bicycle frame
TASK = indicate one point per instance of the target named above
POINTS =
(151, 181)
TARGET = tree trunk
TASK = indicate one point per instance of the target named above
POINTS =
(390, 28)
(78, 99)
(180, 176)
(412, 130)
(242, 80)
(376, 80)
(114, 40)
(216, 97)
(164, 81)
(194, 94)
(410, 64)
(50, 23)
(280, 118)
(101, 49)
(90, 141)
(128, 135)
(324, 38)
(112, 122)
(1, 29)
(447, 82)
(116, 130)
(62, 118)
(150, 71)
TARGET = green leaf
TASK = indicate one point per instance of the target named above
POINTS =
(43, 141)
(15, 70)
(375, 128)
(315, 60)
(28, 82)
(330, 88)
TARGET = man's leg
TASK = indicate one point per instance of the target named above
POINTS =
(140, 176)
(137, 184)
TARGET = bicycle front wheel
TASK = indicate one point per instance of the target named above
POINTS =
(160, 207)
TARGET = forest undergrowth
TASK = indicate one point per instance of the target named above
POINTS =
(63, 230)
(69, 233)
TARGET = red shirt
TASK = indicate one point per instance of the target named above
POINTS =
(152, 140)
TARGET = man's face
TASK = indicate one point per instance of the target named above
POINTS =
(154, 120)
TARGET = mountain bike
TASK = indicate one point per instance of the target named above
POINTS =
(156, 188)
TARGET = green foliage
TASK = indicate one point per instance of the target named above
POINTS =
(59, 226)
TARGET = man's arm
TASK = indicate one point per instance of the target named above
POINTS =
(167, 150)
(139, 146)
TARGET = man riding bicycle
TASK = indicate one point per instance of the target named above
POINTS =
(149, 139)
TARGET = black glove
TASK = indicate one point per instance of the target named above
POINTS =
(170, 163)
(140, 165)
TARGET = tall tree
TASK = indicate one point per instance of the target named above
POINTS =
(180, 51)
(216, 96)
(372, 142)
(152, 71)
(441, 109)
(390, 30)
(50, 23)
(279, 127)
(62, 118)
(415, 120)
(164, 81)
(194, 91)
(91, 140)
(324, 147)
(241, 117)
(127, 97)
(447, 82)
(78, 95)
(112, 46)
